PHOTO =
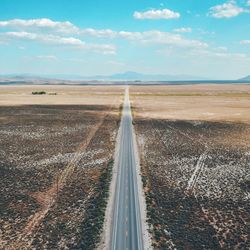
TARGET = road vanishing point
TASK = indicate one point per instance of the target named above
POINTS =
(127, 223)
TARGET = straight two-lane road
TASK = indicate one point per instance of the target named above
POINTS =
(127, 225)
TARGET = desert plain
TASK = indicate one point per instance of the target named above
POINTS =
(56, 159)
(57, 153)
(195, 161)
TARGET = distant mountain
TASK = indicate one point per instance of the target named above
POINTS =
(120, 78)
(130, 76)
(245, 79)
(133, 76)
(126, 76)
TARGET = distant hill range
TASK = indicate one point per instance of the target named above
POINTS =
(129, 76)
(126, 76)
(245, 79)
(133, 76)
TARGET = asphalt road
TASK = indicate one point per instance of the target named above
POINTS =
(126, 231)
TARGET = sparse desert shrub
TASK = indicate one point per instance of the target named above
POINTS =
(191, 216)
(245, 185)
(92, 225)
(39, 93)
(23, 182)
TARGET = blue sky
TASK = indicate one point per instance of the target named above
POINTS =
(175, 37)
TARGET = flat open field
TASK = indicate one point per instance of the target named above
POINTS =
(193, 102)
(74, 95)
(55, 164)
(195, 157)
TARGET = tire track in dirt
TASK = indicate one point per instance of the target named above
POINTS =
(49, 197)
(197, 172)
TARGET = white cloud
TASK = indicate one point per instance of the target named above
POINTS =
(130, 35)
(210, 54)
(226, 10)
(63, 41)
(156, 14)
(47, 38)
(43, 23)
(47, 57)
(169, 39)
(78, 60)
(99, 33)
(110, 34)
(206, 32)
(183, 30)
(245, 42)
(248, 3)
(217, 53)
(3, 43)
(221, 49)
(153, 37)
(116, 63)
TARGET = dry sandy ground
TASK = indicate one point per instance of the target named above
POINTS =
(91, 95)
(55, 153)
(194, 149)
(193, 102)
